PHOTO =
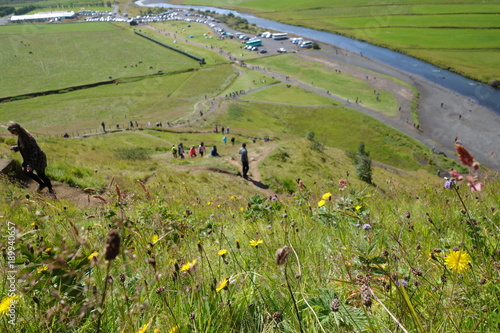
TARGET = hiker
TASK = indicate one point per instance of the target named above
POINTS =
(103, 127)
(224, 139)
(300, 184)
(201, 149)
(180, 150)
(232, 140)
(34, 159)
(214, 152)
(192, 151)
(244, 160)
(174, 151)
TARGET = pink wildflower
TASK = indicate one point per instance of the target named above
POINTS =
(473, 185)
(342, 184)
(456, 175)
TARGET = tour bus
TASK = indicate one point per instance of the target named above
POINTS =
(254, 42)
(266, 34)
(281, 35)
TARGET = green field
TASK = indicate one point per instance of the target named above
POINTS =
(326, 77)
(47, 57)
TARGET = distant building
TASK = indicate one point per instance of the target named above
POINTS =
(43, 16)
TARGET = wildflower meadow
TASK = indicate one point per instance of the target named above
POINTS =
(338, 256)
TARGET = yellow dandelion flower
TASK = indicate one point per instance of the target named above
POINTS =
(6, 303)
(457, 261)
(42, 269)
(48, 249)
(222, 252)
(242, 209)
(187, 266)
(154, 239)
(222, 285)
(256, 242)
(174, 329)
(219, 206)
(156, 330)
(210, 203)
(143, 328)
(93, 255)
(233, 197)
(358, 207)
(327, 196)
(321, 203)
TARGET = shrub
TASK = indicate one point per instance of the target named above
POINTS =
(363, 164)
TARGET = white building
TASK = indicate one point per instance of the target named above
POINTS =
(43, 16)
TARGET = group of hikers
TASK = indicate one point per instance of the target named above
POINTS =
(35, 161)
(178, 151)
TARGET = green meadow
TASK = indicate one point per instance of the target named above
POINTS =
(411, 27)
(139, 241)
(48, 57)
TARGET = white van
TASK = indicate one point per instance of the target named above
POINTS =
(306, 44)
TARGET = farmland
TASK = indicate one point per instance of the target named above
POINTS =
(419, 29)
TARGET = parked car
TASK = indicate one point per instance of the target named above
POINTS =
(281, 50)
(263, 51)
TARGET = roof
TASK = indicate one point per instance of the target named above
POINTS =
(43, 16)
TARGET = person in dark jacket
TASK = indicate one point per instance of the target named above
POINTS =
(34, 159)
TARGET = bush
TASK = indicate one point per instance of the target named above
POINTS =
(363, 164)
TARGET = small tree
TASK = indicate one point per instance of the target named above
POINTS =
(363, 164)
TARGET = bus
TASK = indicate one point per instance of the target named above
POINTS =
(254, 42)
(281, 35)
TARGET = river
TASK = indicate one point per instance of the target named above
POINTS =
(478, 92)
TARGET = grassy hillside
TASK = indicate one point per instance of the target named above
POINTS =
(140, 241)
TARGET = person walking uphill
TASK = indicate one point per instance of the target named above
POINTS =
(244, 160)
(34, 159)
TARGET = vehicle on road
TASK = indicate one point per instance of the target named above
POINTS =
(281, 35)
(281, 50)
(254, 42)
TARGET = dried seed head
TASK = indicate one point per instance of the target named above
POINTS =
(122, 278)
(282, 255)
(334, 306)
(463, 155)
(112, 245)
(361, 279)
(415, 271)
(366, 295)
(407, 214)
(152, 262)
